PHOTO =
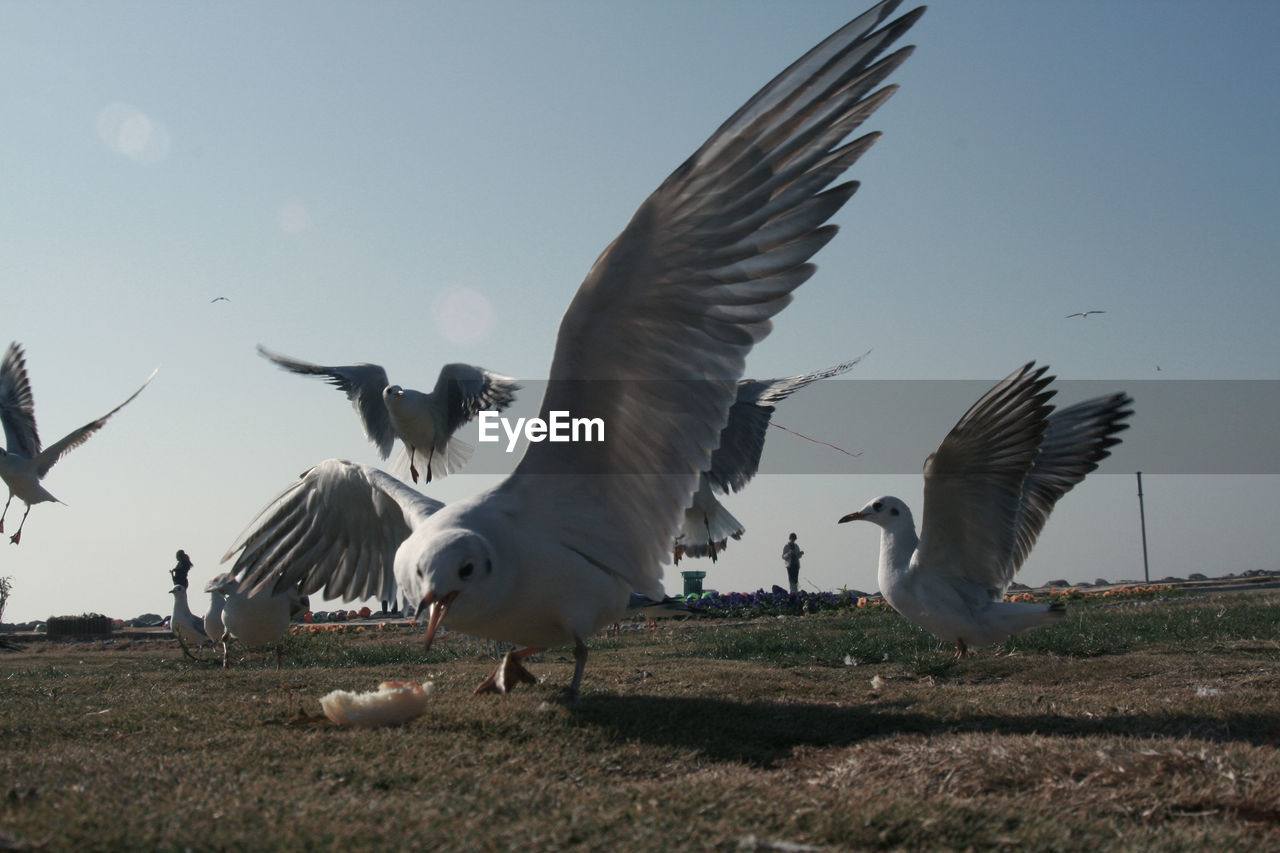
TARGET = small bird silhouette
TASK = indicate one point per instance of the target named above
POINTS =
(219, 299)
(1084, 314)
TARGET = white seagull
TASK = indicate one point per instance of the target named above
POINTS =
(988, 490)
(708, 525)
(22, 463)
(424, 422)
(186, 626)
(653, 343)
(258, 618)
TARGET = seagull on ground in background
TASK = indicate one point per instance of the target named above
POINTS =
(22, 463)
(424, 422)
(258, 618)
(186, 626)
(988, 490)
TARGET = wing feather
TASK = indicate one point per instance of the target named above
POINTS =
(362, 383)
(17, 405)
(657, 335)
(336, 528)
(973, 482)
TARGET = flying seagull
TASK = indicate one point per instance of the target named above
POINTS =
(1084, 314)
(708, 525)
(219, 299)
(22, 463)
(424, 422)
(988, 490)
(653, 343)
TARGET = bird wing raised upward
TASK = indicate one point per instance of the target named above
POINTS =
(973, 482)
(655, 339)
(17, 406)
(336, 529)
(737, 459)
(362, 383)
(51, 454)
(1076, 440)
(468, 390)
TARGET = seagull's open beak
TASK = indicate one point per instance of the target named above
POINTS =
(436, 608)
(853, 516)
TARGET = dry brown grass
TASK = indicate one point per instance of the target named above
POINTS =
(128, 746)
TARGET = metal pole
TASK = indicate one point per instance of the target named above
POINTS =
(1142, 517)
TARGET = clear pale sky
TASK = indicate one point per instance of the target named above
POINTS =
(415, 183)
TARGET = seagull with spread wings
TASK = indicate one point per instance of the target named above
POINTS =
(23, 464)
(425, 423)
(653, 343)
(988, 490)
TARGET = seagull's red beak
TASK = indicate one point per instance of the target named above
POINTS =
(436, 609)
(853, 516)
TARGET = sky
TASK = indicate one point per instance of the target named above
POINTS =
(416, 183)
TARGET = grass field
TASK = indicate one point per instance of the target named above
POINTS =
(1150, 725)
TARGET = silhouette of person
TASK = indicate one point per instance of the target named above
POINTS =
(180, 571)
(791, 555)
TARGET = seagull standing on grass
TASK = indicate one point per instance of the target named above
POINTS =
(653, 343)
(424, 422)
(22, 463)
(708, 525)
(186, 626)
(988, 490)
(259, 618)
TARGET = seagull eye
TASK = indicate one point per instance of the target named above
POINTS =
(877, 506)
(893, 511)
(465, 571)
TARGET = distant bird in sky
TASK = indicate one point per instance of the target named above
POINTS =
(653, 343)
(708, 525)
(219, 299)
(1084, 314)
(988, 490)
(22, 463)
(187, 627)
(425, 423)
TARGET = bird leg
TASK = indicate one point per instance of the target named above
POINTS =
(17, 537)
(580, 663)
(6, 511)
(186, 651)
(711, 545)
(226, 650)
(279, 654)
(509, 673)
(430, 453)
(413, 469)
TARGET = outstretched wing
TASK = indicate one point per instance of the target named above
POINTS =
(973, 483)
(335, 529)
(51, 454)
(468, 390)
(17, 406)
(737, 459)
(1076, 440)
(657, 335)
(362, 383)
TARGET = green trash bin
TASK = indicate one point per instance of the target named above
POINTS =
(693, 582)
